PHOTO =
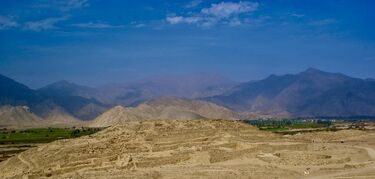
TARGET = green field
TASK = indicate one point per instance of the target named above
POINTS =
(42, 135)
(274, 129)
(288, 124)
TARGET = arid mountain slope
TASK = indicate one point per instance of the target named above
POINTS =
(59, 118)
(197, 149)
(19, 117)
(309, 93)
(65, 88)
(14, 93)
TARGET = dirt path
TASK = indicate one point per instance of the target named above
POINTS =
(19, 156)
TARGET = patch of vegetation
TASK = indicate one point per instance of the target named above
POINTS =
(276, 129)
(42, 135)
(288, 124)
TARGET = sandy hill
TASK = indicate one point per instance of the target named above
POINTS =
(197, 149)
(165, 108)
(59, 118)
(202, 108)
(19, 117)
(116, 115)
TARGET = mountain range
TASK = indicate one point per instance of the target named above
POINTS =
(310, 93)
(133, 93)
(42, 103)
(64, 104)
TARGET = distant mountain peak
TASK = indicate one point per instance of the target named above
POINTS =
(313, 71)
(63, 83)
(64, 87)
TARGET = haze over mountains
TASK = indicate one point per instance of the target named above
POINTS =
(42, 103)
(309, 93)
(134, 93)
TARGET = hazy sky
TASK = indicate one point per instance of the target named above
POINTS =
(93, 42)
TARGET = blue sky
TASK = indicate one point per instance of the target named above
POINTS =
(93, 42)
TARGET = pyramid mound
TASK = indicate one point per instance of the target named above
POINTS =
(120, 148)
(117, 116)
(165, 108)
(191, 149)
(19, 117)
(202, 108)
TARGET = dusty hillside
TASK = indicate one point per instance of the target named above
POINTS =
(117, 115)
(59, 118)
(196, 149)
(166, 108)
(18, 117)
(202, 108)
